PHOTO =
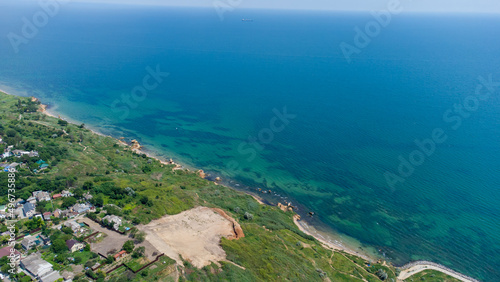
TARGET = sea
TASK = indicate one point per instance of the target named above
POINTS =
(383, 131)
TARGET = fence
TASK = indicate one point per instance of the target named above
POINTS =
(147, 265)
(31, 232)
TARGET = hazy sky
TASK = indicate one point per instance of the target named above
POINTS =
(490, 6)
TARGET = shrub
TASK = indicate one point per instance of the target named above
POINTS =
(248, 216)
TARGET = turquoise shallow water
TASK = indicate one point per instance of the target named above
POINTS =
(349, 123)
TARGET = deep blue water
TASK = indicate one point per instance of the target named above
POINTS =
(348, 124)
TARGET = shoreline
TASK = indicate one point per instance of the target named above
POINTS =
(407, 270)
(301, 224)
(312, 231)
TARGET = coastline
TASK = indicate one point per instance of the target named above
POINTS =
(301, 224)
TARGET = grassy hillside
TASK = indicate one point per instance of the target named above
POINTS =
(273, 249)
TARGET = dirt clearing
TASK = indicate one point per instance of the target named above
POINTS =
(194, 234)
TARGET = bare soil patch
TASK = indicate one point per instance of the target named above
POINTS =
(194, 234)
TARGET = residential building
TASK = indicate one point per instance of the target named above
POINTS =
(6, 155)
(7, 251)
(65, 213)
(73, 225)
(20, 153)
(43, 166)
(57, 213)
(31, 200)
(33, 154)
(37, 267)
(28, 242)
(81, 208)
(19, 212)
(28, 209)
(47, 215)
(51, 277)
(74, 245)
(56, 196)
(117, 221)
(41, 196)
(45, 240)
(66, 193)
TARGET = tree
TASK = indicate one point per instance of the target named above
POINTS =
(382, 274)
(59, 246)
(61, 258)
(110, 260)
(87, 248)
(67, 230)
(62, 122)
(88, 185)
(78, 192)
(97, 201)
(128, 246)
(68, 202)
(139, 252)
(248, 216)
(140, 236)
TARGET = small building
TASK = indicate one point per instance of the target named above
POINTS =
(120, 255)
(4, 166)
(28, 242)
(6, 155)
(43, 166)
(66, 193)
(47, 215)
(56, 196)
(19, 212)
(20, 153)
(57, 213)
(117, 221)
(81, 208)
(31, 200)
(41, 196)
(45, 240)
(28, 210)
(64, 213)
(33, 154)
(74, 245)
(73, 225)
(51, 277)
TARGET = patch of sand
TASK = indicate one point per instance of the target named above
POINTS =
(405, 274)
(194, 234)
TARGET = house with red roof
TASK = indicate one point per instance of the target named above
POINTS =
(7, 251)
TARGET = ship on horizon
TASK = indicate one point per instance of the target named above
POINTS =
(247, 20)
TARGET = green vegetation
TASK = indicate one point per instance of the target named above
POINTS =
(140, 189)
